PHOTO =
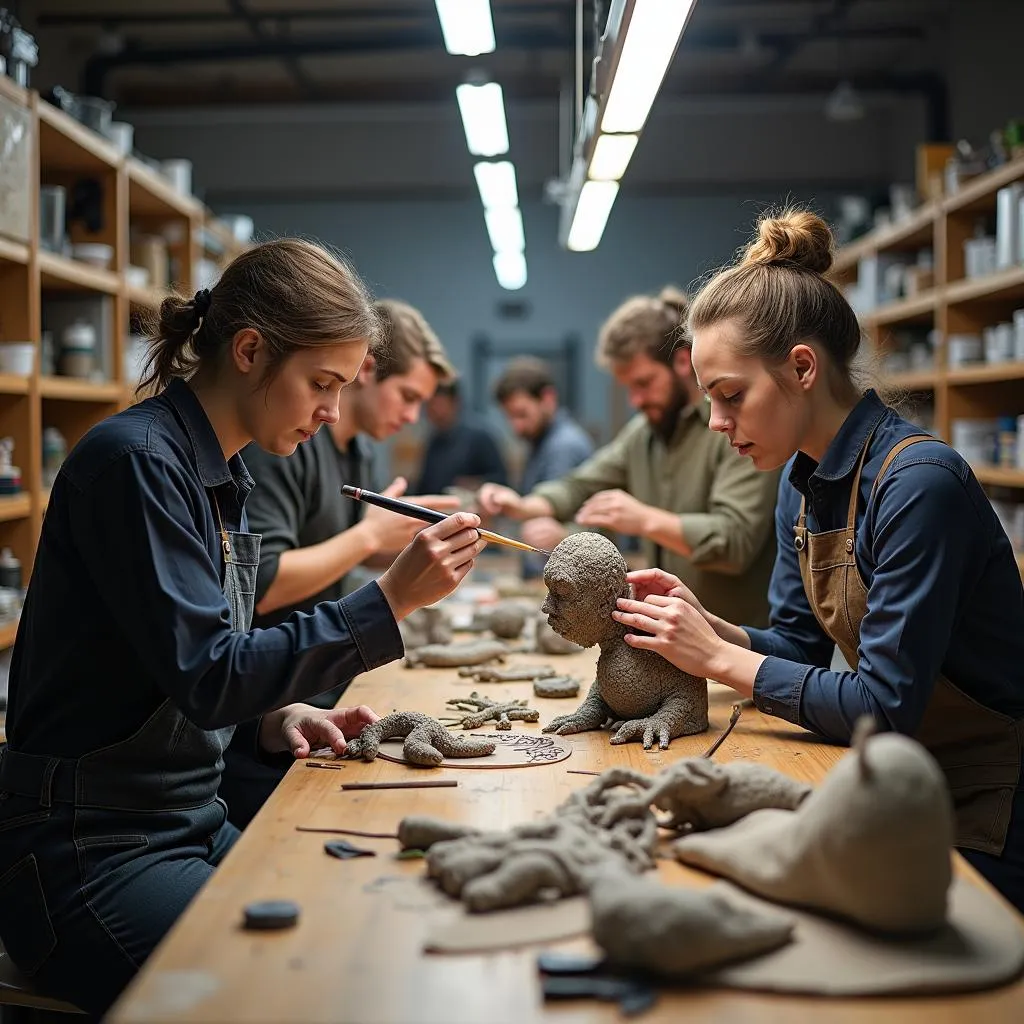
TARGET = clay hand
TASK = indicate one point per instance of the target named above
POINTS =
(496, 500)
(678, 632)
(543, 532)
(301, 728)
(646, 728)
(587, 717)
(614, 510)
(433, 565)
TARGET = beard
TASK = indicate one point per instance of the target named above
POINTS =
(665, 424)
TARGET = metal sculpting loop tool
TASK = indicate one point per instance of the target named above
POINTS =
(428, 515)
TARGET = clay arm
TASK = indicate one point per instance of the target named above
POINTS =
(590, 715)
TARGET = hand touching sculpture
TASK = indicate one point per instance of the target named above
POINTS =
(642, 694)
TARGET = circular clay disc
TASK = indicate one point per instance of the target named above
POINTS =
(512, 750)
(270, 914)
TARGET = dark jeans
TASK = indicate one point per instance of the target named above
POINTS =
(86, 895)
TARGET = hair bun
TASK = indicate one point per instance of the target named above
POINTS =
(796, 237)
(676, 300)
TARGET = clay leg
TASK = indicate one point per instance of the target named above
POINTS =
(590, 715)
(675, 717)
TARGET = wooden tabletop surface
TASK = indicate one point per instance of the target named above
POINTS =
(356, 953)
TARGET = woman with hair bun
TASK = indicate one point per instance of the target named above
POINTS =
(887, 548)
(134, 659)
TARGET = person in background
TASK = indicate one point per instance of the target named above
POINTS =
(135, 661)
(887, 548)
(700, 510)
(460, 452)
(527, 395)
(312, 535)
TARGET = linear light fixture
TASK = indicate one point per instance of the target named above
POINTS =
(510, 270)
(497, 183)
(505, 229)
(466, 25)
(482, 107)
(639, 41)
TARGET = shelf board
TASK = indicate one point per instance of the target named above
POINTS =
(916, 232)
(918, 307)
(14, 506)
(8, 631)
(66, 144)
(13, 252)
(79, 390)
(999, 476)
(10, 90)
(986, 373)
(1004, 285)
(147, 297)
(912, 380)
(980, 193)
(149, 195)
(12, 384)
(61, 273)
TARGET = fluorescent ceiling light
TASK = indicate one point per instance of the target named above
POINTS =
(497, 184)
(483, 117)
(505, 229)
(466, 26)
(651, 38)
(611, 157)
(510, 269)
(595, 203)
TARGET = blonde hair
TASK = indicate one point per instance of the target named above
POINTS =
(405, 337)
(294, 293)
(645, 324)
(778, 297)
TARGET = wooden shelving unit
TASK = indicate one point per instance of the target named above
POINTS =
(955, 305)
(129, 196)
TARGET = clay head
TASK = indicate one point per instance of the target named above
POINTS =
(585, 575)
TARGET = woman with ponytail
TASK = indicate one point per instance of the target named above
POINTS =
(135, 661)
(888, 549)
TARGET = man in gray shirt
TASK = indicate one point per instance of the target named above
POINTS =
(527, 395)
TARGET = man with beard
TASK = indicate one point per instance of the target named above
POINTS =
(702, 512)
(558, 444)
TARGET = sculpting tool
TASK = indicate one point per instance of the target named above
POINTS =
(428, 515)
(401, 785)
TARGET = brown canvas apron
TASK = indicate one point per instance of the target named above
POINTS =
(979, 749)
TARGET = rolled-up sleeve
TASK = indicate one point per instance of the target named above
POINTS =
(157, 580)
(738, 521)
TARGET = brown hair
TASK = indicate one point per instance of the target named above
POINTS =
(526, 374)
(295, 293)
(405, 337)
(778, 297)
(651, 325)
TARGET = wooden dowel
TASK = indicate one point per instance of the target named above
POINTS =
(436, 784)
(347, 832)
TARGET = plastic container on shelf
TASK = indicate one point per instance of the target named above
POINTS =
(78, 350)
(96, 254)
(17, 357)
(10, 475)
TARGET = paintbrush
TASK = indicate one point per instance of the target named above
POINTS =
(428, 515)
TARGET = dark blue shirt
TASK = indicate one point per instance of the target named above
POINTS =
(125, 608)
(558, 451)
(467, 451)
(944, 591)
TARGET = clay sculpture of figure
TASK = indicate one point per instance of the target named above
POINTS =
(481, 709)
(871, 844)
(673, 931)
(642, 694)
(516, 674)
(425, 626)
(427, 741)
(558, 686)
(699, 794)
(466, 652)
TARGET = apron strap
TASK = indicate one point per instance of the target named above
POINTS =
(851, 512)
(894, 451)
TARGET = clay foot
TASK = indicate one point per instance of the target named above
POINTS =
(644, 728)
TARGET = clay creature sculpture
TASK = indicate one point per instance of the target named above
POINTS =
(871, 844)
(427, 741)
(698, 793)
(516, 674)
(466, 652)
(559, 686)
(642, 694)
(482, 709)
(673, 931)
(425, 626)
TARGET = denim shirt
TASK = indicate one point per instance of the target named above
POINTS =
(562, 447)
(125, 607)
(944, 592)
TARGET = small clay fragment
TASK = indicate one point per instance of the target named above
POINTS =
(420, 832)
(516, 674)
(559, 686)
(466, 652)
(547, 641)
(427, 741)
(483, 709)
(425, 626)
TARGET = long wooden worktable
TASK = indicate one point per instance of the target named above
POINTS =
(355, 955)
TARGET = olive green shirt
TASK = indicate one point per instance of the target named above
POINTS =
(725, 505)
